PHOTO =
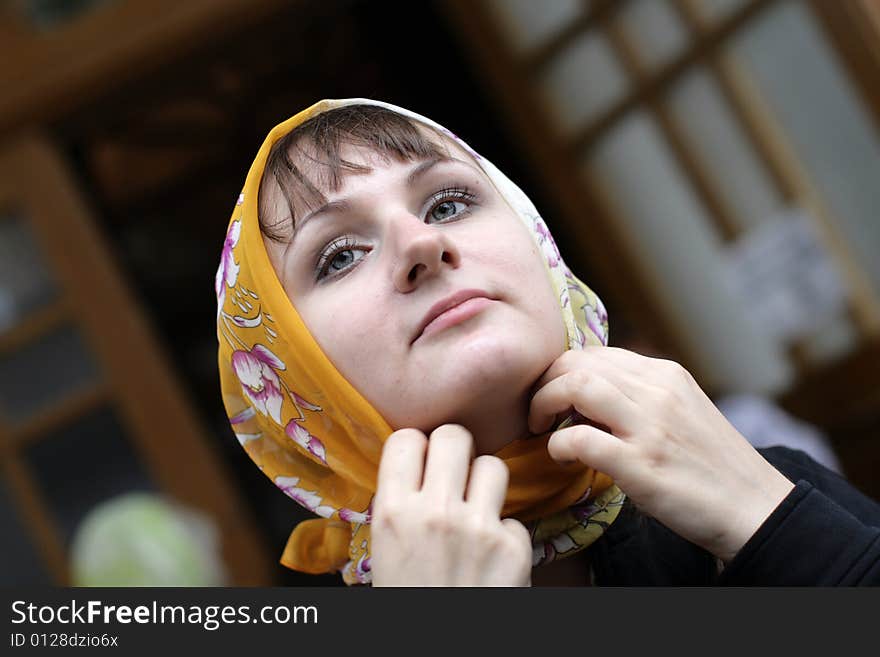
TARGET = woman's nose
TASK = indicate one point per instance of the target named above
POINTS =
(423, 251)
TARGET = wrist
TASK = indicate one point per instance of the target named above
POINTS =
(752, 512)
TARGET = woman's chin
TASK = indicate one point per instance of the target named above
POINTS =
(485, 366)
(471, 374)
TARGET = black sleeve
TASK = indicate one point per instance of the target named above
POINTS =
(825, 533)
(636, 550)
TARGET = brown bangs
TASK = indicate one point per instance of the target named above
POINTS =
(314, 147)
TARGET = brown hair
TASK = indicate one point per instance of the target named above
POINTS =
(316, 144)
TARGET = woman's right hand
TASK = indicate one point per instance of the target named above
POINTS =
(437, 516)
(663, 441)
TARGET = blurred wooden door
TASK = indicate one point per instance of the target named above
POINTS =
(717, 163)
(90, 407)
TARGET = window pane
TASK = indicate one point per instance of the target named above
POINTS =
(48, 14)
(719, 9)
(25, 281)
(831, 341)
(806, 86)
(677, 243)
(793, 288)
(20, 562)
(83, 464)
(654, 30)
(715, 134)
(529, 23)
(44, 372)
(583, 80)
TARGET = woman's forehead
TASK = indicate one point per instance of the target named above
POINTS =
(311, 159)
(281, 209)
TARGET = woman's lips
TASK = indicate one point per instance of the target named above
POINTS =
(457, 314)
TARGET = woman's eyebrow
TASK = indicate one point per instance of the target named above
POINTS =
(423, 167)
(339, 205)
(344, 205)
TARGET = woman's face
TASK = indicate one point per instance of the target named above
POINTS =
(365, 272)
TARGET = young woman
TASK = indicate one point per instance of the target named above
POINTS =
(404, 352)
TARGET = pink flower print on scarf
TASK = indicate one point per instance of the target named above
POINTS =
(602, 319)
(302, 403)
(594, 313)
(259, 382)
(307, 498)
(304, 439)
(549, 551)
(548, 246)
(360, 570)
(363, 571)
(356, 517)
(595, 321)
(542, 553)
(227, 272)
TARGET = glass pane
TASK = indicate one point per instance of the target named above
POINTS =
(48, 14)
(719, 9)
(44, 372)
(654, 30)
(83, 464)
(677, 243)
(794, 290)
(20, 562)
(529, 23)
(583, 80)
(807, 87)
(831, 341)
(25, 281)
(722, 146)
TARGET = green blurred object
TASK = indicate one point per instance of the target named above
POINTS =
(142, 539)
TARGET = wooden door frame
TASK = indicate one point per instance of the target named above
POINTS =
(853, 29)
(140, 379)
(47, 75)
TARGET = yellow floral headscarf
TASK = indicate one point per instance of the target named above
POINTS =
(320, 441)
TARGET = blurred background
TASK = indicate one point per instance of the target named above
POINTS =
(710, 167)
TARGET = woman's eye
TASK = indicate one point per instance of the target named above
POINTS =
(450, 203)
(339, 259)
(446, 210)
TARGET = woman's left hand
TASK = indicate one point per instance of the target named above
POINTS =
(663, 441)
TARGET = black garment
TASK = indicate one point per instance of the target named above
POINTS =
(825, 533)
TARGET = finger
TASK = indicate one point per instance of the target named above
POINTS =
(590, 446)
(629, 360)
(647, 375)
(626, 369)
(640, 366)
(487, 485)
(589, 393)
(567, 361)
(450, 451)
(402, 463)
(519, 532)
